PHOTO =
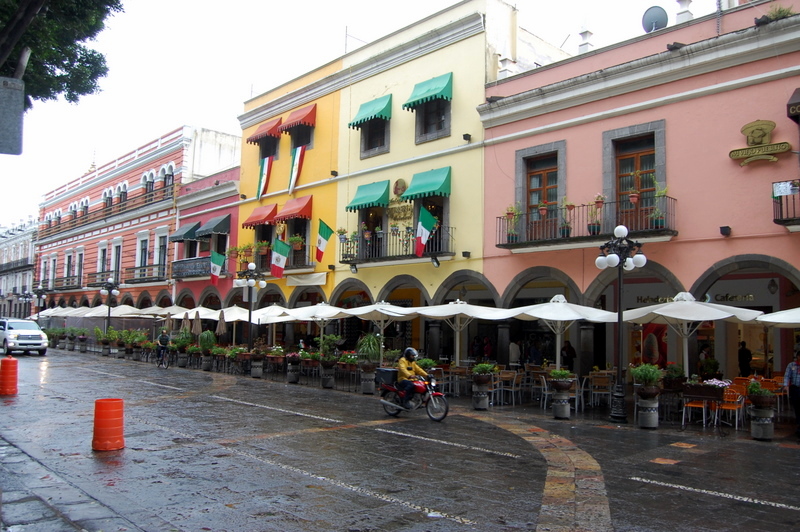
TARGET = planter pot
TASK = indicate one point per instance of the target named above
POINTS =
(257, 368)
(293, 373)
(367, 235)
(648, 413)
(598, 204)
(543, 212)
(183, 360)
(561, 385)
(762, 401)
(564, 231)
(512, 237)
(342, 238)
(368, 367)
(481, 380)
(120, 352)
(206, 363)
(137, 354)
(70, 344)
(326, 376)
(658, 223)
(593, 229)
(368, 381)
(762, 427)
(673, 383)
(83, 347)
(480, 393)
(105, 350)
(633, 198)
(561, 405)
(297, 246)
(62, 343)
(648, 392)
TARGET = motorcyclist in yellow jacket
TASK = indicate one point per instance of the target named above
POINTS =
(407, 372)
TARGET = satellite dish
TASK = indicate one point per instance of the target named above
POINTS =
(655, 18)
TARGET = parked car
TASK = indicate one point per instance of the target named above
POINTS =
(21, 335)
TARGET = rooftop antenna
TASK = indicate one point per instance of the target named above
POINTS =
(655, 18)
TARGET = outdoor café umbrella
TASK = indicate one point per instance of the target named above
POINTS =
(222, 327)
(185, 325)
(684, 315)
(321, 314)
(559, 315)
(457, 314)
(785, 319)
(197, 325)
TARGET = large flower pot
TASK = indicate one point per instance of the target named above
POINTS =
(648, 413)
(207, 362)
(105, 350)
(326, 375)
(82, 345)
(367, 380)
(70, 344)
(137, 354)
(561, 397)
(293, 373)
(257, 367)
(183, 360)
(762, 426)
(480, 394)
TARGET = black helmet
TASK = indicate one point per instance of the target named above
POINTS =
(410, 354)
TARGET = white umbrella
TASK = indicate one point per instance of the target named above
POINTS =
(321, 314)
(786, 319)
(172, 310)
(684, 315)
(222, 327)
(457, 314)
(381, 314)
(559, 315)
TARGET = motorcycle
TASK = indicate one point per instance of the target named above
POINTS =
(424, 394)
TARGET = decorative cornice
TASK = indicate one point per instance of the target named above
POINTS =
(432, 41)
(719, 53)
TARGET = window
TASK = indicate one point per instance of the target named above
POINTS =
(374, 137)
(169, 182)
(542, 183)
(268, 147)
(301, 136)
(107, 200)
(433, 120)
(635, 168)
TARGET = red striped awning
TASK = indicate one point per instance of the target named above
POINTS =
(295, 208)
(270, 129)
(307, 116)
(261, 216)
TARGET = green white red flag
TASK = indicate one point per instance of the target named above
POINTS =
(263, 175)
(280, 252)
(297, 165)
(425, 226)
(217, 261)
(323, 235)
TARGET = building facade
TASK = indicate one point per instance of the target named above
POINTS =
(18, 298)
(682, 135)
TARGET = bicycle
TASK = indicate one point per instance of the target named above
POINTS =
(162, 357)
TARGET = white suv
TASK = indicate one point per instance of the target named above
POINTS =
(21, 335)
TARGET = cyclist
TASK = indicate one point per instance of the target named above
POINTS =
(162, 342)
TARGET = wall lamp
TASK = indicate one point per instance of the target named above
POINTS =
(353, 268)
(465, 254)
(331, 267)
(243, 196)
(467, 137)
(435, 262)
(334, 173)
(725, 230)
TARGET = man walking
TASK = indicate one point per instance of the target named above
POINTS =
(745, 357)
(791, 380)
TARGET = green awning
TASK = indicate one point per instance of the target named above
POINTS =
(377, 108)
(186, 232)
(372, 195)
(430, 183)
(218, 225)
(440, 88)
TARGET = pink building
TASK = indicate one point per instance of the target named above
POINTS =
(693, 118)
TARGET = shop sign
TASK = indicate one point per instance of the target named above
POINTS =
(759, 142)
(723, 298)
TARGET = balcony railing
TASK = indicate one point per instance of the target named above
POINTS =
(395, 245)
(100, 278)
(786, 208)
(650, 216)
(194, 267)
(14, 264)
(80, 220)
(67, 283)
(146, 274)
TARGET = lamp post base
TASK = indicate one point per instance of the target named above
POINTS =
(619, 412)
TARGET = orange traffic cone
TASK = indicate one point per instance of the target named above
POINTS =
(8, 376)
(108, 425)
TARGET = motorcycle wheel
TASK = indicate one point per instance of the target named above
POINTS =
(437, 407)
(392, 398)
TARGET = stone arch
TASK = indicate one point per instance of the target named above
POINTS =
(97, 300)
(743, 262)
(609, 275)
(531, 274)
(161, 297)
(297, 294)
(464, 276)
(208, 292)
(144, 300)
(183, 296)
(125, 299)
(398, 282)
(349, 285)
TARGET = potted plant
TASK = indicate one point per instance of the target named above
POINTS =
(656, 214)
(542, 209)
(760, 397)
(368, 348)
(394, 227)
(709, 369)
(633, 196)
(599, 200)
(647, 375)
(342, 232)
(762, 426)
(565, 229)
(365, 231)
(296, 241)
(482, 373)
(426, 363)
(261, 247)
(513, 212)
(246, 250)
(566, 204)
(593, 223)
(674, 377)
(207, 340)
(233, 252)
(293, 367)
(561, 381)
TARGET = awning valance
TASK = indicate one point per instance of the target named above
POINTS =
(439, 88)
(295, 208)
(371, 195)
(307, 116)
(378, 108)
(431, 183)
(261, 215)
(220, 225)
(187, 232)
(270, 129)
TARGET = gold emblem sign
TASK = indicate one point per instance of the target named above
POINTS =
(759, 142)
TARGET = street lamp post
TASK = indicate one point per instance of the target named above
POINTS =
(109, 289)
(39, 292)
(250, 278)
(26, 300)
(623, 254)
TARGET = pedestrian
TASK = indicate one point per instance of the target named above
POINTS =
(705, 352)
(534, 355)
(514, 353)
(568, 355)
(476, 349)
(745, 357)
(791, 380)
(487, 349)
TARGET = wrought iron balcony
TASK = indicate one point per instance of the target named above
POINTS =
(98, 279)
(650, 216)
(70, 282)
(194, 267)
(385, 246)
(786, 204)
(15, 264)
(146, 274)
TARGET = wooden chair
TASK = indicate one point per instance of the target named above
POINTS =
(600, 385)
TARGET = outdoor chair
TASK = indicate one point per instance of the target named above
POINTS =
(732, 402)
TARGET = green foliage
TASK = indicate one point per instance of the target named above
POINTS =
(777, 12)
(754, 388)
(484, 369)
(194, 349)
(368, 347)
(559, 374)
(328, 343)
(426, 363)
(219, 351)
(674, 370)
(99, 335)
(709, 366)
(112, 335)
(206, 340)
(646, 374)
(61, 64)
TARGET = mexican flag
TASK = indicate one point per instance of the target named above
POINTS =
(280, 252)
(323, 235)
(297, 165)
(263, 176)
(217, 261)
(425, 225)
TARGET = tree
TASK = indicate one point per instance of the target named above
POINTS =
(55, 31)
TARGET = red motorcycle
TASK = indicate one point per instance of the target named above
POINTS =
(424, 394)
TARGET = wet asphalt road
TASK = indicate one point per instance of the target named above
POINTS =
(212, 451)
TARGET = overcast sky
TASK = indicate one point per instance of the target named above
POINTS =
(194, 62)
